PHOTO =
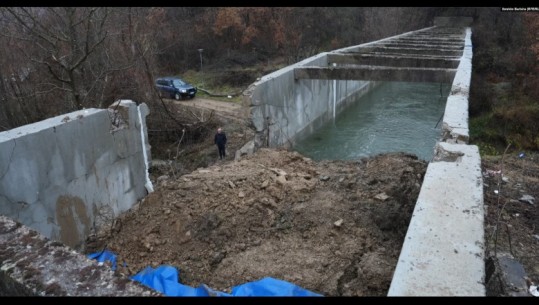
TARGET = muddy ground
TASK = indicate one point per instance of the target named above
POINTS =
(333, 227)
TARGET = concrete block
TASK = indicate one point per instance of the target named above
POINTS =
(55, 173)
(32, 265)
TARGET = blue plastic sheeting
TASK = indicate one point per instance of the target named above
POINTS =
(268, 287)
(165, 279)
(104, 256)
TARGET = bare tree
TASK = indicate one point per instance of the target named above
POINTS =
(64, 39)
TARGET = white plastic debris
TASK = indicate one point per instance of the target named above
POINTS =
(495, 191)
(490, 172)
(533, 291)
(381, 196)
(527, 198)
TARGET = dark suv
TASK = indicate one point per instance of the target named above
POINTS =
(175, 87)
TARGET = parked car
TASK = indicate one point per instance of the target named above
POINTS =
(174, 87)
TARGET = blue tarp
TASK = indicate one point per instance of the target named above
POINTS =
(268, 287)
(165, 279)
(104, 256)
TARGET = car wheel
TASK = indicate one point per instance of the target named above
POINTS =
(177, 96)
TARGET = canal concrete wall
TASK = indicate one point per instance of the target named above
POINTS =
(291, 103)
(283, 109)
(444, 249)
(60, 175)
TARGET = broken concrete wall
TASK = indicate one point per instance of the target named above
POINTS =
(59, 174)
(455, 121)
(32, 265)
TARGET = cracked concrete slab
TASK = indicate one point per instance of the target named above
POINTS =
(32, 265)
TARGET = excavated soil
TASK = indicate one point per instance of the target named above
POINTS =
(333, 227)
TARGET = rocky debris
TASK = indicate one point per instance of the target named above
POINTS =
(281, 180)
(162, 178)
(247, 149)
(265, 215)
(278, 172)
(382, 196)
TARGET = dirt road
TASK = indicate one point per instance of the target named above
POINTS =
(230, 110)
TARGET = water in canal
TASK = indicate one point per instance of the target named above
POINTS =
(394, 117)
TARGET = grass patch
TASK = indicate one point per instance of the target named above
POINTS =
(516, 124)
(212, 81)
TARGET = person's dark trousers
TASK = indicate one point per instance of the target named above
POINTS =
(221, 151)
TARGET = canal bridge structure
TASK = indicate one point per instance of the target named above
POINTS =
(443, 251)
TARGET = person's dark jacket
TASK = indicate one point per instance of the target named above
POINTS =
(220, 139)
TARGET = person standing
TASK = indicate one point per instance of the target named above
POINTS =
(220, 141)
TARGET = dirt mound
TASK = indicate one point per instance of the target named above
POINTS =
(333, 227)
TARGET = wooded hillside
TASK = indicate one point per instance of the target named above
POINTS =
(56, 60)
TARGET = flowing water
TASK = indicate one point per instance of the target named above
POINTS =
(394, 117)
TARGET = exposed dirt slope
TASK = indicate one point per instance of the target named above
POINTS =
(335, 228)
